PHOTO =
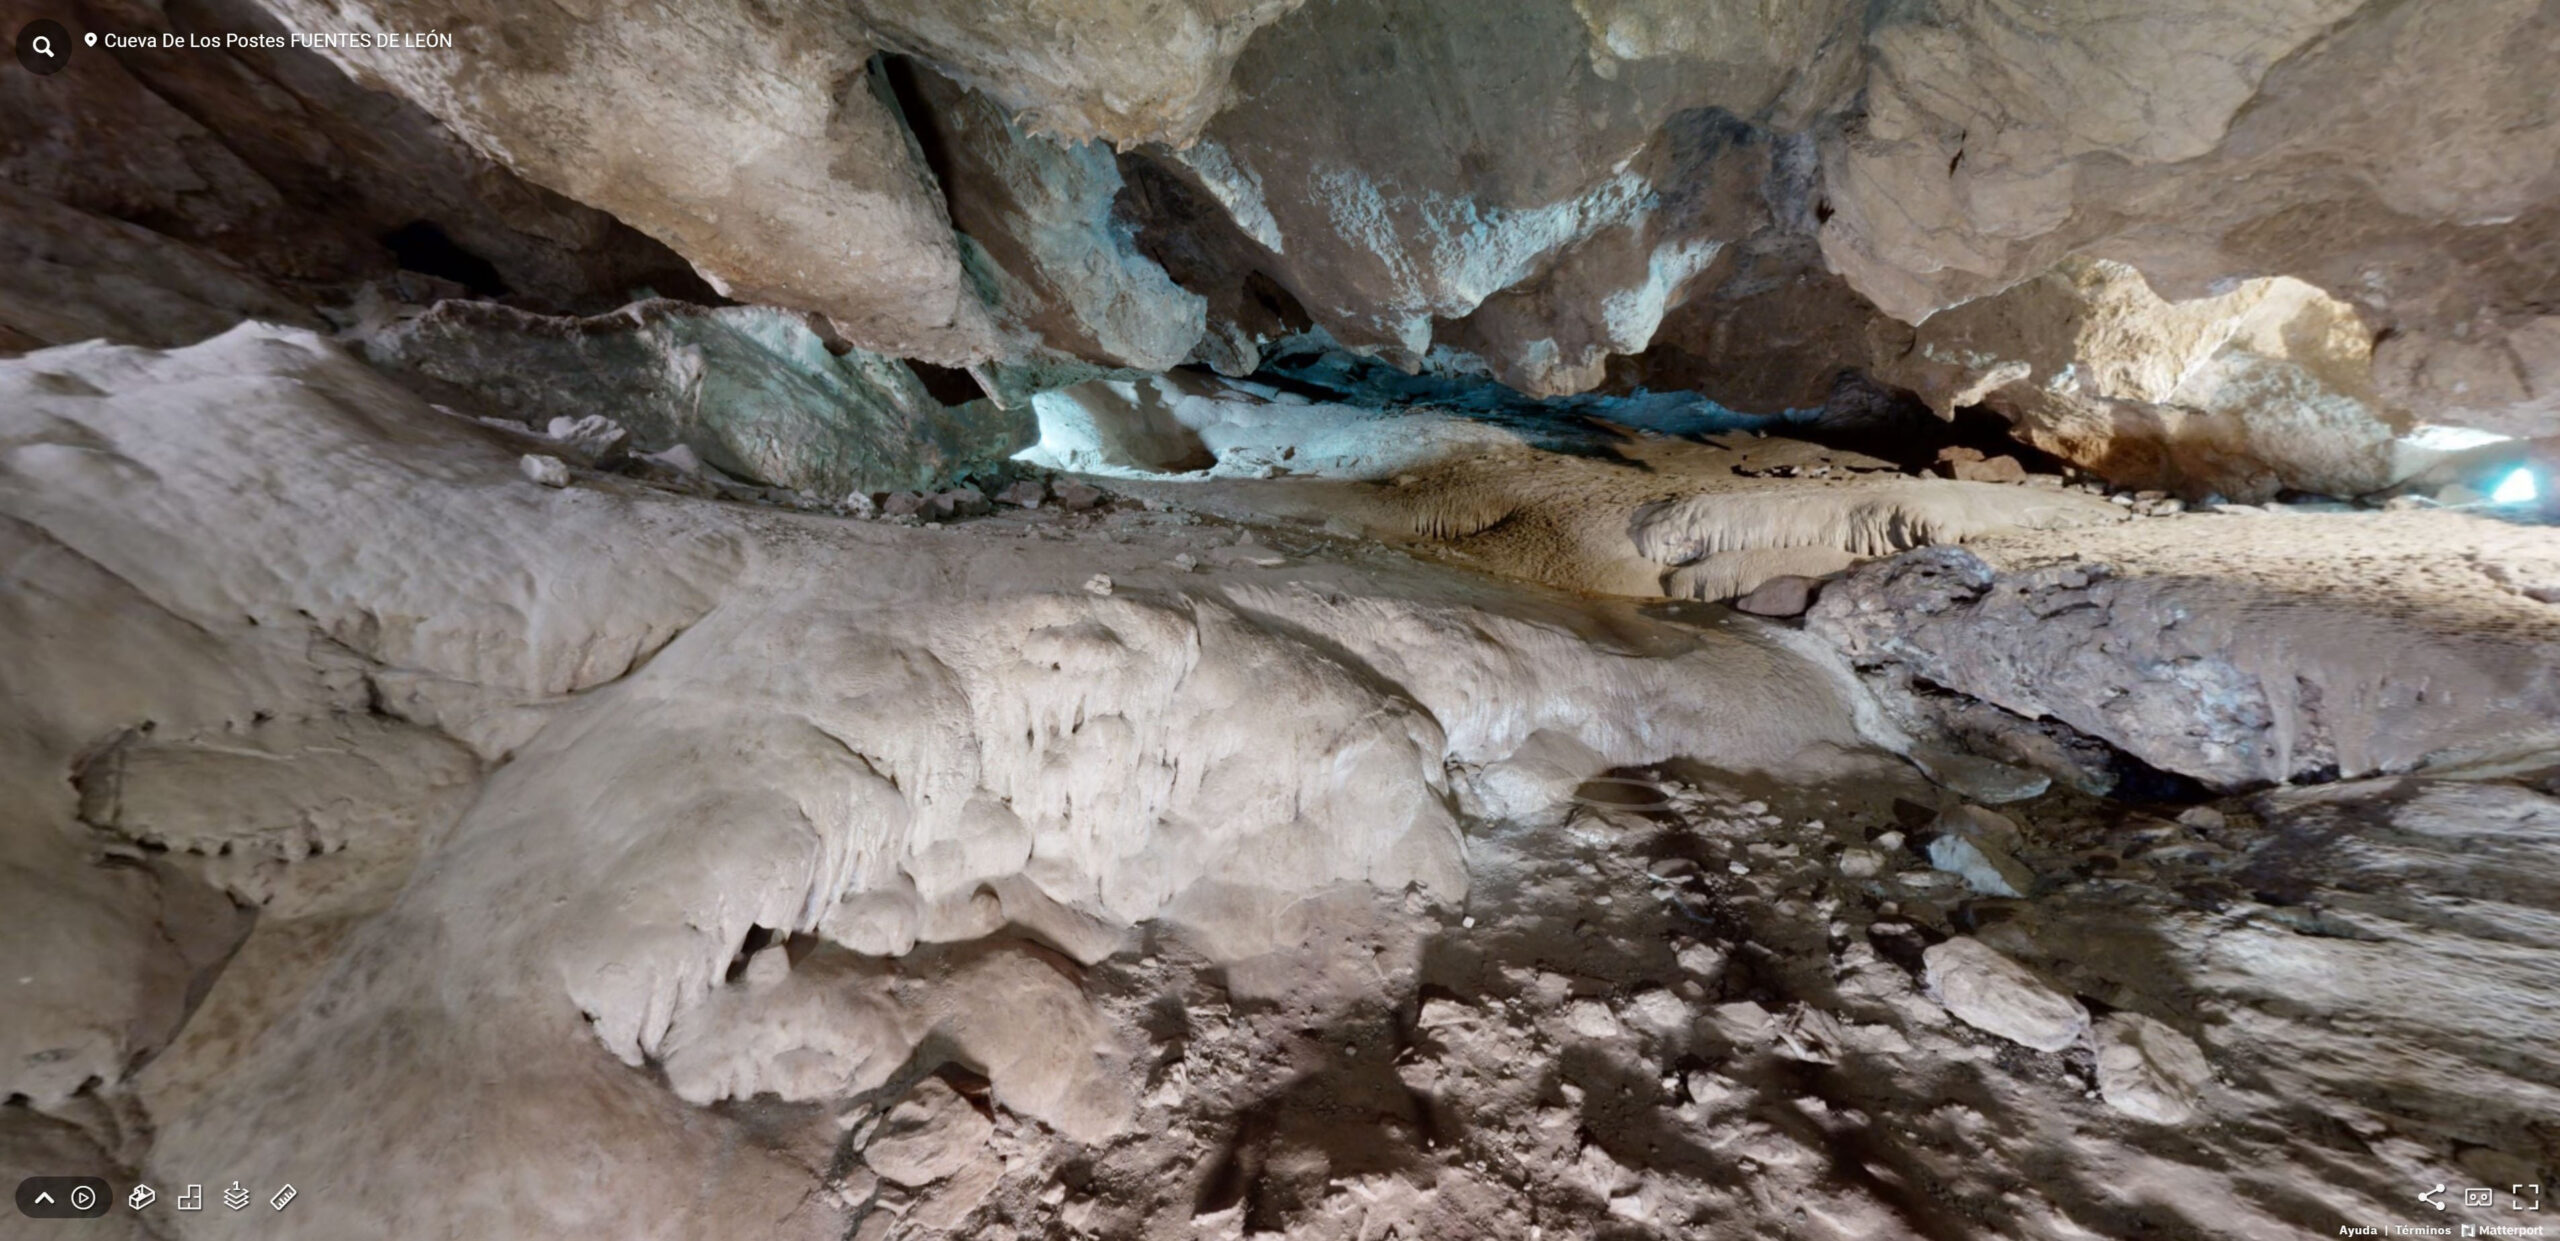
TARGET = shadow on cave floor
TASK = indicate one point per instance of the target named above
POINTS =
(1683, 1010)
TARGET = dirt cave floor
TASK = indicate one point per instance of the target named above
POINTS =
(1698, 1006)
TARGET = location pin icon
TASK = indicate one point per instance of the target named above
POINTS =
(93, 38)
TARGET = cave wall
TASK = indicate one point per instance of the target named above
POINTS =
(1565, 195)
(277, 169)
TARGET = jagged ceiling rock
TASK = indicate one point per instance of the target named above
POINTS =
(70, 275)
(1123, 71)
(755, 140)
(2503, 377)
(1399, 163)
(1776, 332)
(1533, 187)
(2263, 389)
(1607, 293)
(1036, 219)
(750, 389)
(1996, 138)
(1728, 197)
(276, 160)
(1358, 159)
(1962, 152)
(1980, 114)
(2404, 158)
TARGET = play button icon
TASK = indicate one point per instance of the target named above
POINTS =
(65, 1197)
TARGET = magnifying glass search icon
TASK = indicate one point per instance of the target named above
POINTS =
(42, 46)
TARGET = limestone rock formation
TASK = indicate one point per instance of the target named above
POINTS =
(853, 769)
(1121, 71)
(2239, 659)
(1977, 846)
(67, 275)
(929, 1135)
(1534, 188)
(759, 144)
(1782, 596)
(1585, 509)
(2197, 142)
(2148, 1070)
(2265, 389)
(1548, 195)
(273, 159)
(1273, 764)
(1992, 993)
(751, 390)
(2501, 380)
(1692, 190)
(1930, 214)
(1038, 220)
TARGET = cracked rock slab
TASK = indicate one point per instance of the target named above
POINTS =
(928, 1135)
(2148, 1070)
(1994, 994)
(2240, 652)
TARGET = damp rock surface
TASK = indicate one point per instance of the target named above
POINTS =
(752, 390)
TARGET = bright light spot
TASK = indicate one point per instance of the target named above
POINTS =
(2517, 488)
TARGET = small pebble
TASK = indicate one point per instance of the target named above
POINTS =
(2203, 817)
(547, 470)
